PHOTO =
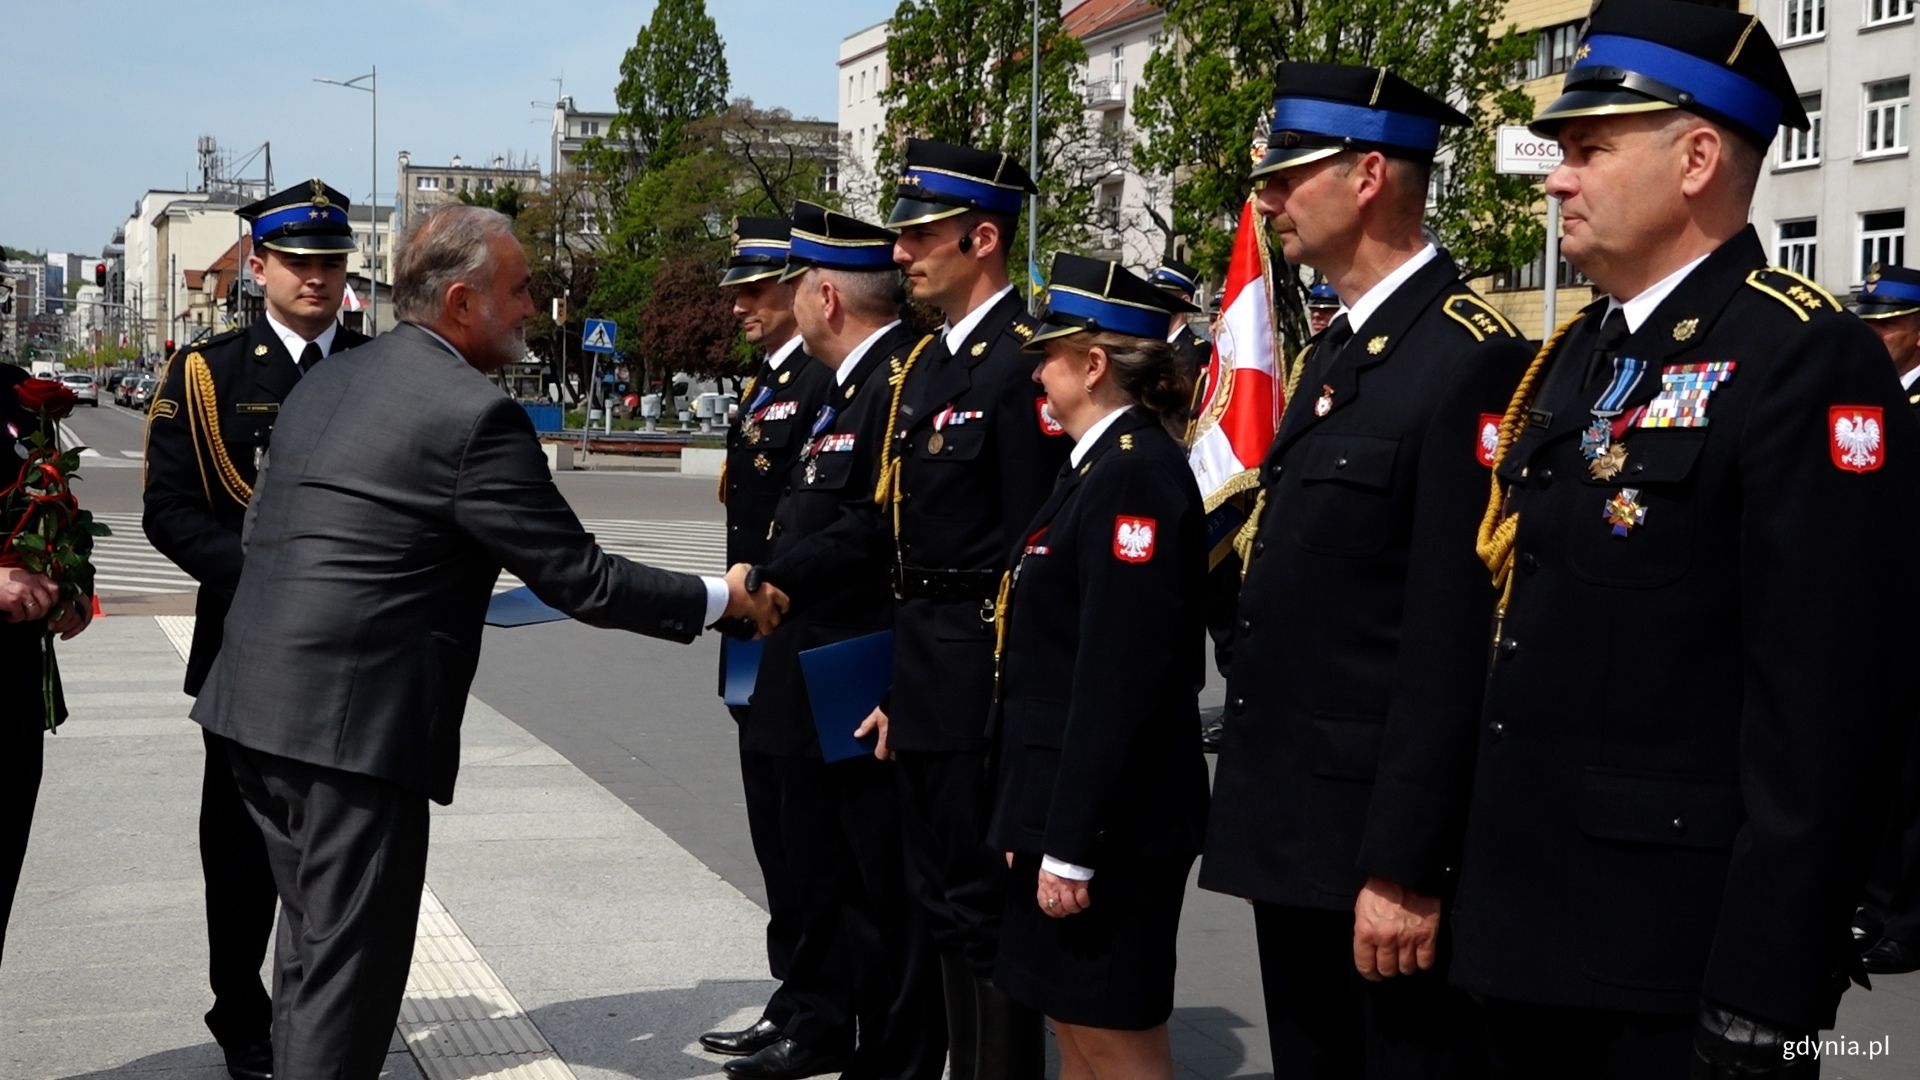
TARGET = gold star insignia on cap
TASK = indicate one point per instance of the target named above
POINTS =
(1377, 345)
(1583, 52)
(979, 347)
(259, 350)
(311, 214)
(1685, 329)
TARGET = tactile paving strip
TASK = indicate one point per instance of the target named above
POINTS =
(179, 630)
(458, 1019)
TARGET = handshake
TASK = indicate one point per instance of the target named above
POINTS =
(753, 607)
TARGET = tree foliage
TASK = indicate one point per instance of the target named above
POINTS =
(674, 75)
(1201, 107)
(506, 198)
(686, 323)
(964, 75)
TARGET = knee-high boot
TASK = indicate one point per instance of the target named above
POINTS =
(1011, 1046)
(963, 1024)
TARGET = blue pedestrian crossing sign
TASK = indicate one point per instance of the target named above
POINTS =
(597, 335)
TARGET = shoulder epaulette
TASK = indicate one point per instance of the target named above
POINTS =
(1800, 294)
(1480, 318)
(1022, 326)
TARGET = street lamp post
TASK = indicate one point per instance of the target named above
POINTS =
(373, 191)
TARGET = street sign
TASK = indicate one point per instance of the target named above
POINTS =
(1522, 153)
(597, 335)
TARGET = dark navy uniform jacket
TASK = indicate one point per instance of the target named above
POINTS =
(1361, 634)
(762, 443)
(208, 426)
(1692, 710)
(840, 599)
(1099, 734)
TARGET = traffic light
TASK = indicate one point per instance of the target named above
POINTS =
(100, 274)
(169, 349)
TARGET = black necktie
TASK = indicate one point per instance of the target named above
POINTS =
(1606, 345)
(310, 356)
(1339, 332)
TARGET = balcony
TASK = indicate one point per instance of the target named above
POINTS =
(1107, 94)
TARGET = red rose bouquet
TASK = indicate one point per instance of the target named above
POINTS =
(46, 532)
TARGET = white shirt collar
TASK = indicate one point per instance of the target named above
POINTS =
(295, 343)
(1173, 335)
(1362, 309)
(1640, 308)
(1910, 378)
(448, 345)
(859, 352)
(779, 355)
(1093, 434)
(959, 332)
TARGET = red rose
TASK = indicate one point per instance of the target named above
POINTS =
(48, 397)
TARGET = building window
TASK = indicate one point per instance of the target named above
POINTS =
(426, 183)
(1803, 147)
(849, 89)
(589, 128)
(1885, 129)
(1117, 62)
(863, 86)
(484, 184)
(1154, 41)
(1803, 20)
(1553, 49)
(1534, 276)
(1886, 11)
(1883, 240)
(1797, 244)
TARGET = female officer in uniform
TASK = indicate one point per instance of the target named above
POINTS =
(1101, 789)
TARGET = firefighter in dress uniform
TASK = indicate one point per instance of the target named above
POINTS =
(1705, 478)
(208, 428)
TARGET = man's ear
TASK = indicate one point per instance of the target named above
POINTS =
(1705, 157)
(987, 239)
(830, 300)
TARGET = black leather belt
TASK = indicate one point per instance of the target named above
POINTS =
(920, 583)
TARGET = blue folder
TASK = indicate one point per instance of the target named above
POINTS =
(742, 665)
(845, 681)
(519, 607)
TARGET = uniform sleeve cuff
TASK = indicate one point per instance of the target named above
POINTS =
(1066, 870)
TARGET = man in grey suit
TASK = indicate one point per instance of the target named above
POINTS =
(400, 482)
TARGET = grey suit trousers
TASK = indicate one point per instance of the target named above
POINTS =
(349, 857)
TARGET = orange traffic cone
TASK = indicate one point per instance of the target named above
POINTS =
(96, 606)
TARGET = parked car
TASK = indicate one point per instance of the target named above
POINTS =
(142, 392)
(83, 387)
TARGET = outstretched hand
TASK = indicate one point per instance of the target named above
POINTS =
(762, 606)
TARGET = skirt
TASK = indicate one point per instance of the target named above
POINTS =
(1111, 966)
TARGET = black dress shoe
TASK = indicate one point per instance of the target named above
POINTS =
(249, 1061)
(1210, 736)
(762, 1034)
(1890, 957)
(784, 1059)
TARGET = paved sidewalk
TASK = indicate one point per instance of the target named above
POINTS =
(563, 934)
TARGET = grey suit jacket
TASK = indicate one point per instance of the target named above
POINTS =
(401, 481)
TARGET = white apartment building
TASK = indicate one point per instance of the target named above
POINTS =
(861, 75)
(146, 273)
(422, 187)
(571, 130)
(1119, 36)
(1840, 197)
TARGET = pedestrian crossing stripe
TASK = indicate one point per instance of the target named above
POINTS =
(126, 562)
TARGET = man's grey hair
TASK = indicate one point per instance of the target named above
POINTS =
(872, 295)
(443, 247)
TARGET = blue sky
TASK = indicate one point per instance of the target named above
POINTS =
(105, 99)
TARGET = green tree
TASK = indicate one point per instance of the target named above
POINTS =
(963, 74)
(506, 198)
(675, 74)
(1202, 105)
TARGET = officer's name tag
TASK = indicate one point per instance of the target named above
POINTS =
(245, 408)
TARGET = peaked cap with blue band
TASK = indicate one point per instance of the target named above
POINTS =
(1888, 292)
(833, 241)
(759, 249)
(941, 180)
(1650, 55)
(308, 218)
(1321, 295)
(1096, 296)
(1176, 275)
(1321, 109)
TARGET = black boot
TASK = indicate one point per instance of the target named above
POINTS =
(963, 1025)
(1012, 1044)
